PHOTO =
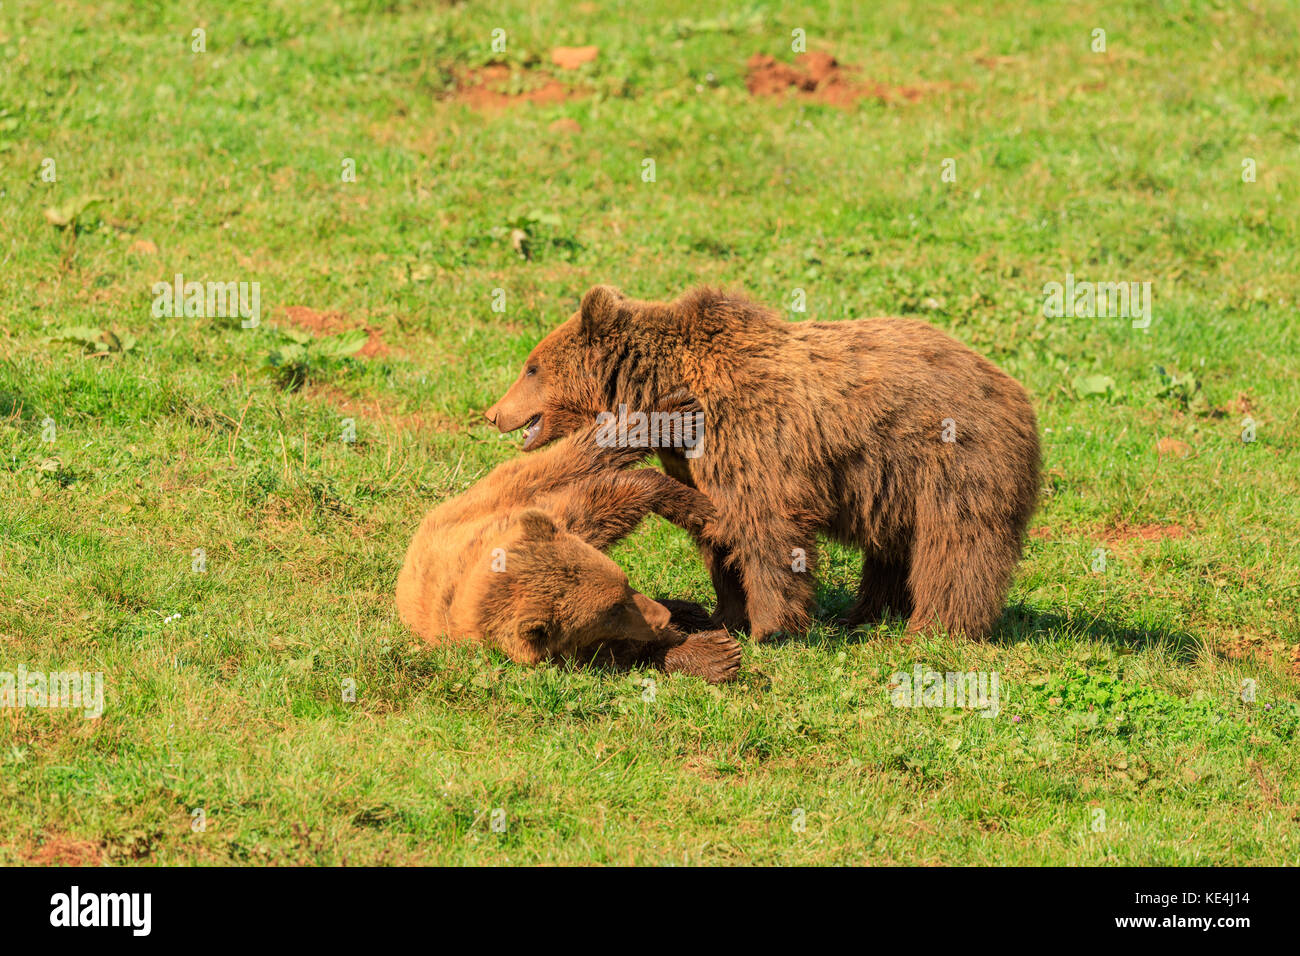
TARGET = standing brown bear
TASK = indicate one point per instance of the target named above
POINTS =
(885, 434)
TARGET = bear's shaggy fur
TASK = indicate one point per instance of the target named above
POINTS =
(885, 434)
(516, 562)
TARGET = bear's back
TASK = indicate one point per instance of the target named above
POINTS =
(436, 567)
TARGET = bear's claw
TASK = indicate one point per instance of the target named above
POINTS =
(713, 655)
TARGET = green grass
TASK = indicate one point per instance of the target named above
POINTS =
(1121, 690)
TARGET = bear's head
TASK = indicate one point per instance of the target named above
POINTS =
(619, 351)
(585, 367)
(547, 592)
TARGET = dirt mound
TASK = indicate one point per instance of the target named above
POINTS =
(820, 77)
(331, 323)
(1173, 448)
(56, 849)
(1114, 535)
(491, 88)
(1121, 533)
(572, 57)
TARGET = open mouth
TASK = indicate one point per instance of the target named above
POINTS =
(532, 430)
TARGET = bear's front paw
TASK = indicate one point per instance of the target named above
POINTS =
(713, 655)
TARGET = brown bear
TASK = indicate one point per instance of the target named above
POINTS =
(885, 434)
(516, 561)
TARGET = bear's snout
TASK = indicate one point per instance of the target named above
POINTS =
(655, 614)
(506, 416)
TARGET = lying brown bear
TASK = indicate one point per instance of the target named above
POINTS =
(516, 562)
(885, 434)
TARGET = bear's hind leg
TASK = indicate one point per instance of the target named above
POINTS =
(883, 586)
(961, 570)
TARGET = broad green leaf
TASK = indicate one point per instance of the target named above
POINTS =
(343, 344)
(1094, 385)
(66, 214)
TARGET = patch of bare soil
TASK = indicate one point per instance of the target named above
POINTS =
(490, 88)
(1115, 536)
(60, 850)
(1173, 449)
(572, 57)
(820, 77)
(1268, 648)
(994, 62)
(566, 125)
(1123, 533)
(331, 323)
(1126, 540)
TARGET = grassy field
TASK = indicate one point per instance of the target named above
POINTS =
(130, 439)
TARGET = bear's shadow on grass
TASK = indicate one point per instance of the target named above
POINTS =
(1019, 622)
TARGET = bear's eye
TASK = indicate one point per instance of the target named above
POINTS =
(530, 370)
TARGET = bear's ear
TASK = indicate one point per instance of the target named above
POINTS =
(600, 309)
(536, 525)
(532, 631)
